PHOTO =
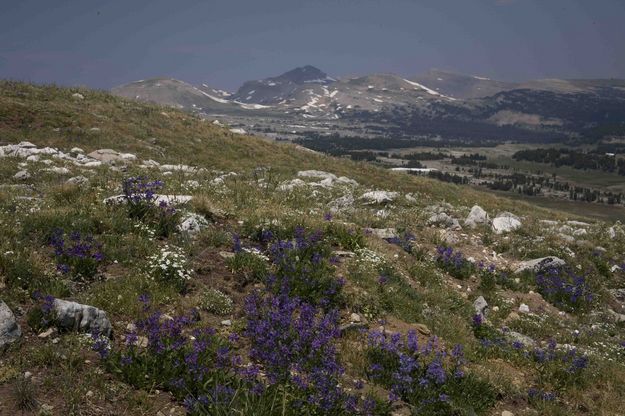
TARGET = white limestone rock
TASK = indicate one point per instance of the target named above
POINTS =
(10, 330)
(476, 217)
(77, 317)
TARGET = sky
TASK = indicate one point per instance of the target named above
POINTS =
(102, 44)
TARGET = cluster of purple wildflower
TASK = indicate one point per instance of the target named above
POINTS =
(405, 241)
(572, 361)
(559, 366)
(46, 307)
(76, 253)
(294, 342)
(421, 375)
(199, 367)
(535, 394)
(454, 262)
(291, 339)
(565, 288)
(303, 269)
(140, 189)
(141, 195)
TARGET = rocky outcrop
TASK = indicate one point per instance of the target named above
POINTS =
(111, 156)
(74, 316)
(379, 197)
(9, 328)
(540, 265)
(442, 219)
(384, 233)
(316, 174)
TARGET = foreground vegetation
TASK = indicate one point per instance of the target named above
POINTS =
(287, 298)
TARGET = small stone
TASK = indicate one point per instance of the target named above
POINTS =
(22, 175)
(423, 329)
(47, 333)
(354, 317)
(507, 413)
(78, 96)
(226, 322)
(513, 316)
(28, 374)
(495, 308)
(77, 180)
(89, 394)
(142, 342)
(523, 308)
(352, 326)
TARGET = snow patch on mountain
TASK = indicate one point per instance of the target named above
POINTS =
(429, 90)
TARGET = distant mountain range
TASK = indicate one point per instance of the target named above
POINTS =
(308, 95)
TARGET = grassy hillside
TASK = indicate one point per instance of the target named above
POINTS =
(294, 294)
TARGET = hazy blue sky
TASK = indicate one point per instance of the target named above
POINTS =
(223, 43)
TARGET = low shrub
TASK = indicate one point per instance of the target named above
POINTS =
(303, 268)
(217, 302)
(169, 265)
(429, 379)
(565, 289)
(75, 254)
(454, 262)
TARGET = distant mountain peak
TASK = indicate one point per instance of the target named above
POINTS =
(304, 74)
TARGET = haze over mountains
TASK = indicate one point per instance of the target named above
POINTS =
(412, 106)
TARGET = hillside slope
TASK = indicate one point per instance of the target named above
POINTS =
(218, 273)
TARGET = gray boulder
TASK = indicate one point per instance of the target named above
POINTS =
(506, 222)
(442, 219)
(379, 197)
(22, 175)
(9, 328)
(111, 156)
(513, 336)
(480, 305)
(476, 217)
(77, 180)
(192, 223)
(74, 316)
(540, 265)
(384, 233)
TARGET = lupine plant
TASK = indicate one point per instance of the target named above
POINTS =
(42, 315)
(294, 343)
(428, 378)
(405, 241)
(141, 198)
(454, 262)
(559, 367)
(565, 288)
(294, 368)
(76, 254)
(303, 266)
(140, 194)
